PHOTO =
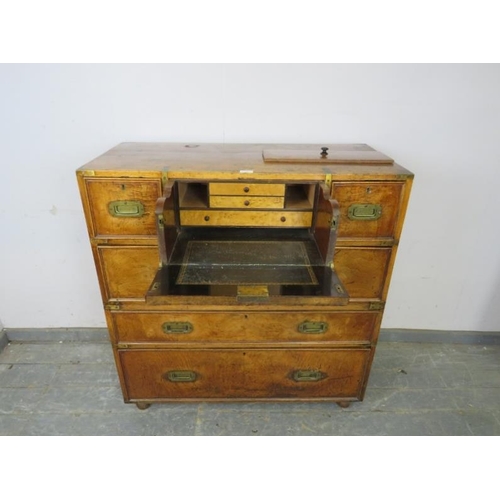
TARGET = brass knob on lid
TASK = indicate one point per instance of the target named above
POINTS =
(324, 153)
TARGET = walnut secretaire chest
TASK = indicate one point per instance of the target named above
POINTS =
(237, 272)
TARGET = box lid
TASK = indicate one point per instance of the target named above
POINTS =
(325, 155)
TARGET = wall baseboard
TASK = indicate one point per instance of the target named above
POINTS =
(439, 336)
(386, 335)
(57, 334)
(3, 339)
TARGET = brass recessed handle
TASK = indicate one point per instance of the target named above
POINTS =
(313, 327)
(308, 375)
(359, 211)
(177, 327)
(126, 208)
(180, 376)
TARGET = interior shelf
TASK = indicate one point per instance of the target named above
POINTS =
(193, 195)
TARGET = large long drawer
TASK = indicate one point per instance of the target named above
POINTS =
(304, 326)
(241, 374)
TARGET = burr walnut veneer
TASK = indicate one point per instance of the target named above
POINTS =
(233, 272)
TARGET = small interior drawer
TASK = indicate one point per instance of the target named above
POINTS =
(246, 189)
(247, 202)
(246, 218)
(244, 373)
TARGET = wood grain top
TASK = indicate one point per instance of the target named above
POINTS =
(243, 160)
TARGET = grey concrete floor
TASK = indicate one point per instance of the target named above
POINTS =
(71, 388)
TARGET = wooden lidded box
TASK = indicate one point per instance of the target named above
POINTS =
(233, 272)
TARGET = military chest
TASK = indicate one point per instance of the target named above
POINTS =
(232, 272)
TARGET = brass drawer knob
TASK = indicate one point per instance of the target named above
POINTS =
(283, 219)
(246, 203)
(246, 189)
(207, 218)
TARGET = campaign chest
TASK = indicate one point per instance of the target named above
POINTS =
(237, 272)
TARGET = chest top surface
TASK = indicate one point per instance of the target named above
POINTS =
(243, 161)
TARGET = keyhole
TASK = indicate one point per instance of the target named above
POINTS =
(123, 187)
(368, 190)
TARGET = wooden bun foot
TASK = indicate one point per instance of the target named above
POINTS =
(344, 404)
(143, 406)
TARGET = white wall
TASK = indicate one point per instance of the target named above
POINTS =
(440, 121)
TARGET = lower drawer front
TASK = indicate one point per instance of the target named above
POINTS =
(241, 374)
(363, 271)
(127, 270)
(305, 326)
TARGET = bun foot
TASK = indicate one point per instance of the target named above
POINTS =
(143, 406)
(344, 404)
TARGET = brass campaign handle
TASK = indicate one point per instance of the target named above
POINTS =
(180, 376)
(359, 211)
(307, 375)
(126, 208)
(314, 327)
(177, 327)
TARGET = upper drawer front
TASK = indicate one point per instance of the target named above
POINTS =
(241, 374)
(249, 189)
(245, 218)
(239, 327)
(367, 209)
(247, 202)
(123, 207)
